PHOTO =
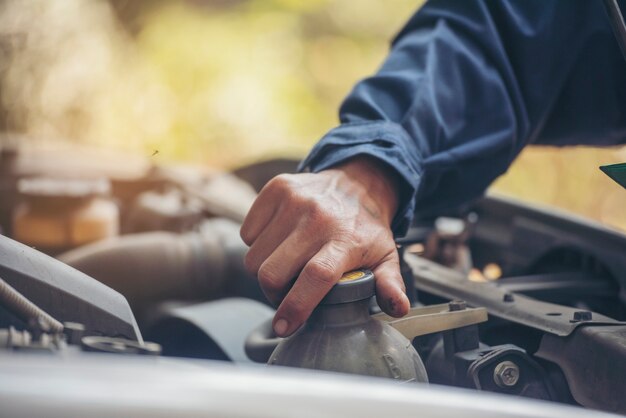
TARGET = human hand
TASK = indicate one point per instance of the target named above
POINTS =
(315, 227)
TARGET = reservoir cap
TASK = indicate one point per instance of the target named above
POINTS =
(354, 285)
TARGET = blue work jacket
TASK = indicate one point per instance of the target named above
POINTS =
(468, 83)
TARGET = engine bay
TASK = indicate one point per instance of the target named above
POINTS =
(506, 297)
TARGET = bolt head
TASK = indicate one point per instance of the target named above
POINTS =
(457, 305)
(582, 316)
(508, 297)
(506, 374)
(74, 331)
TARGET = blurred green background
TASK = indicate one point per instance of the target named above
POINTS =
(224, 83)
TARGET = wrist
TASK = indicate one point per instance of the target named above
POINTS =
(379, 183)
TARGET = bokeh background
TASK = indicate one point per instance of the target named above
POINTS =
(227, 82)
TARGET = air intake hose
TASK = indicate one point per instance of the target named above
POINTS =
(151, 267)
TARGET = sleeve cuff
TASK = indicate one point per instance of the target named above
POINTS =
(385, 141)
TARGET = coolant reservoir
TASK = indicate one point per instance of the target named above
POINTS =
(58, 214)
(341, 336)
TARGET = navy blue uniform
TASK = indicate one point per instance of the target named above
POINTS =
(467, 84)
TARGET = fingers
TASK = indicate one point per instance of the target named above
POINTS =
(318, 276)
(265, 244)
(390, 289)
(257, 219)
(316, 227)
(279, 270)
(263, 209)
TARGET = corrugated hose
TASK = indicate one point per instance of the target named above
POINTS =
(26, 310)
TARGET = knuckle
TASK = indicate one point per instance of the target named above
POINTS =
(368, 248)
(341, 250)
(321, 271)
(351, 246)
(357, 242)
(245, 235)
(269, 280)
(280, 182)
(318, 215)
(250, 263)
(295, 307)
(298, 200)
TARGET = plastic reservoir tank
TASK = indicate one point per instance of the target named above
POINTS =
(58, 214)
(341, 336)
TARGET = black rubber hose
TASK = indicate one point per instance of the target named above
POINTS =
(151, 267)
(24, 309)
(262, 342)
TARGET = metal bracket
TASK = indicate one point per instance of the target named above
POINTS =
(555, 319)
(433, 318)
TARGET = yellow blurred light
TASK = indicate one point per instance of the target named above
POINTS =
(476, 275)
(492, 271)
(416, 248)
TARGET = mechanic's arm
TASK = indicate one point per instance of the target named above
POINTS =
(466, 85)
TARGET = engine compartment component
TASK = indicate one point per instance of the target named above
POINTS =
(571, 351)
(555, 328)
(25, 310)
(119, 346)
(151, 267)
(341, 336)
(63, 292)
(216, 329)
(547, 317)
(422, 320)
(58, 214)
(163, 387)
(59, 179)
(592, 360)
(552, 285)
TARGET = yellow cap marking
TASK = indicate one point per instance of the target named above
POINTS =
(351, 275)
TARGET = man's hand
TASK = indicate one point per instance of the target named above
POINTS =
(315, 227)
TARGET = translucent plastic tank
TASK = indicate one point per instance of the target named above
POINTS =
(341, 336)
(59, 214)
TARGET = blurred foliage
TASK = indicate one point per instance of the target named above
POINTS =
(568, 178)
(260, 78)
(228, 82)
(266, 78)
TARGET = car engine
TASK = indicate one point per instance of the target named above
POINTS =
(507, 297)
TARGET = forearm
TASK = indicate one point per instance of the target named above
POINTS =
(465, 87)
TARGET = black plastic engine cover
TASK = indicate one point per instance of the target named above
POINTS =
(64, 292)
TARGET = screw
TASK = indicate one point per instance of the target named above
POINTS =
(508, 297)
(73, 332)
(152, 348)
(38, 327)
(457, 305)
(118, 346)
(582, 316)
(506, 374)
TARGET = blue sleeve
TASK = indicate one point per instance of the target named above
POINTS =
(468, 84)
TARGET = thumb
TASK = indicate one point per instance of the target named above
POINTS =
(390, 290)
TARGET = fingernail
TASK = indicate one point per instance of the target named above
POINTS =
(406, 302)
(280, 327)
(398, 306)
